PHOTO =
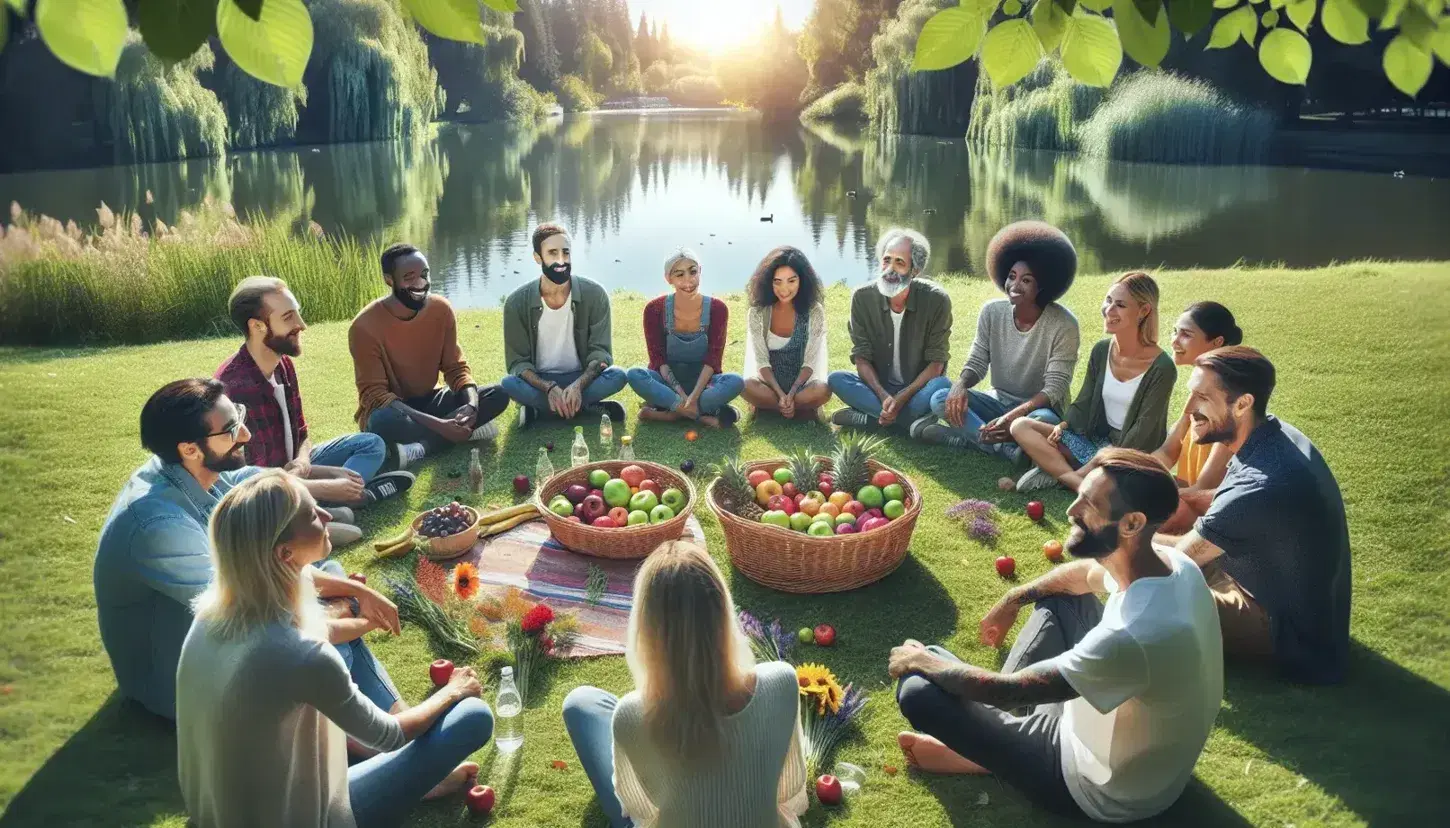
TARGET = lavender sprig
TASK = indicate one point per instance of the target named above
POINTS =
(984, 529)
(969, 508)
(783, 640)
(823, 731)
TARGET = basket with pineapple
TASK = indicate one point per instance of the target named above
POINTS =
(807, 524)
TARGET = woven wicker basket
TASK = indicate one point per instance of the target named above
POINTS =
(796, 562)
(450, 546)
(624, 543)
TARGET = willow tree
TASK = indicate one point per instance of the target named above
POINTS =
(482, 81)
(259, 113)
(900, 100)
(368, 76)
(155, 112)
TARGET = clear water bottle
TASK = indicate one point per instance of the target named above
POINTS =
(475, 472)
(626, 449)
(507, 708)
(579, 453)
(606, 433)
(544, 469)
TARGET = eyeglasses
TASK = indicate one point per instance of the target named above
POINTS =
(236, 425)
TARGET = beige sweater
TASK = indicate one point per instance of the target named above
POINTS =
(396, 358)
(759, 781)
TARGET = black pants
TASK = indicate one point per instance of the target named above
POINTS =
(395, 427)
(1023, 751)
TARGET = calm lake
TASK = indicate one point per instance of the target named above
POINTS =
(633, 185)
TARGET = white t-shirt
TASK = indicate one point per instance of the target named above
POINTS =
(280, 392)
(556, 351)
(896, 349)
(1117, 396)
(1150, 677)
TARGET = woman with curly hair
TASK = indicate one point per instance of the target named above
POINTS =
(1027, 340)
(785, 337)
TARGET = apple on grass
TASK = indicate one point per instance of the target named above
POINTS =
(673, 498)
(825, 635)
(522, 484)
(480, 799)
(828, 790)
(805, 636)
(440, 672)
(616, 492)
(637, 517)
(1053, 550)
(597, 478)
(1035, 510)
(1006, 566)
(661, 513)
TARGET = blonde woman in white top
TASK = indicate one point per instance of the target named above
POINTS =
(708, 738)
(785, 337)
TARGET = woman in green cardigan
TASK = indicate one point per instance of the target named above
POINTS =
(1123, 400)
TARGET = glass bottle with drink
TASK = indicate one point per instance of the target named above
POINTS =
(579, 454)
(626, 449)
(508, 708)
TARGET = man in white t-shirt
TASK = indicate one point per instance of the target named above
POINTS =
(1122, 695)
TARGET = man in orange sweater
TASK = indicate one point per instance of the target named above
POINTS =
(400, 344)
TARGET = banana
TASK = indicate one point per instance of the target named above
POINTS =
(388, 543)
(398, 549)
(491, 518)
(505, 525)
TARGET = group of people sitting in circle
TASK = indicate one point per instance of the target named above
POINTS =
(219, 608)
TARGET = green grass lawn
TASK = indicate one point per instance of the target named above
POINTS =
(1362, 353)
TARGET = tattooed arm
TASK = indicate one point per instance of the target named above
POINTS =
(1077, 578)
(1040, 683)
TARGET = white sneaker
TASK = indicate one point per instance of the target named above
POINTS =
(1035, 479)
(343, 534)
(488, 431)
(341, 514)
(410, 453)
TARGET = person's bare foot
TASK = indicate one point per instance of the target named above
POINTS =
(709, 420)
(461, 778)
(928, 754)
(657, 415)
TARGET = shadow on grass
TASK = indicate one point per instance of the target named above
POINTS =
(1355, 741)
(118, 769)
(1198, 805)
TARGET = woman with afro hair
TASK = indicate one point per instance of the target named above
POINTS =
(1029, 342)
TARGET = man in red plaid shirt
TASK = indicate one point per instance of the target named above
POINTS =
(260, 376)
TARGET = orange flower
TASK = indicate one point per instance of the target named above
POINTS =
(465, 581)
(432, 580)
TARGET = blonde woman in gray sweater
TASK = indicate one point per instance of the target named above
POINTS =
(708, 738)
(263, 700)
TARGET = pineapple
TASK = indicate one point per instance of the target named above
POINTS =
(848, 463)
(734, 492)
(804, 469)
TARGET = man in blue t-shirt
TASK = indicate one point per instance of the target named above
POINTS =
(1274, 546)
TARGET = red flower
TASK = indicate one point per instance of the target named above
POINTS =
(536, 619)
(547, 645)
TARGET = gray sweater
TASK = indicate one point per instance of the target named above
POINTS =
(1023, 364)
(259, 729)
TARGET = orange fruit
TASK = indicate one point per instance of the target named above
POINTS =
(1053, 550)
(692, 435)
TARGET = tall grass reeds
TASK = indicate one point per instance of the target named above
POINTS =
(125, 282)
(1161, 117)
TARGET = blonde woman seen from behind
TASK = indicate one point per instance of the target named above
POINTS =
(265, 703)
(707, 738)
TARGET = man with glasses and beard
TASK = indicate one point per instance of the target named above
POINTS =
(901, 327)
(1117, 699)
(1274, 544)
(341, 473)
(154, 555)
(400, 344)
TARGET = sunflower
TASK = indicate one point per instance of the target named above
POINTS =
(819, 684)
(465, 581)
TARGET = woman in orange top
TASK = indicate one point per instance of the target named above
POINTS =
(1202, 327)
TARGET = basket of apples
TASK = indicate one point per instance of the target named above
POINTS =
(807, 524)
(614, 509)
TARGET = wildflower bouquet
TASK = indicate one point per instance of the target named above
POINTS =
(441, 603)
(770, 642)
(827, 712)
(534, 633)
(979, 518)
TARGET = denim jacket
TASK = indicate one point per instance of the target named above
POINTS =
(153, 557)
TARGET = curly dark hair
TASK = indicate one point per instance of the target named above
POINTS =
(1046, 249)
(762, 294)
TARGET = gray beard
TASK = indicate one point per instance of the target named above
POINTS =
(891, 289)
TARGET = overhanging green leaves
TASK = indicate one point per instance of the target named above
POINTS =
(1096, 5)
(1344, 21)
(1150, 9)
(1407, 65)
(1010, 51)
(452, 19)
(174, 29)
(1190, 16)
(1301, 13)
(274, 48)
(506, 6)
(251, 8)
(1240, 24)
(1440, 43)
(1091, 52)
(1286, 56)
(949, 37)
(1143, 40)
(1049, 21)
(86, 35)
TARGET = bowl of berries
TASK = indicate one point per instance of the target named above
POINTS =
(450, 530)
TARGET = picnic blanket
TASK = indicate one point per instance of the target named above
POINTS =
(528, 558)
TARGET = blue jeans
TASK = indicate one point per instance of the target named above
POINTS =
(607, 384)
(385, 788)
(981, 409)
(369, 676)
(589, 718)
(362, 453)
(853, 392)
(652, 388)
(397, 427)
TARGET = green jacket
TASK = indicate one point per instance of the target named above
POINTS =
(1146, 424)
(593, 335)
(926, 329)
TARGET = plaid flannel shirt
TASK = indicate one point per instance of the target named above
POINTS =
(246, 385)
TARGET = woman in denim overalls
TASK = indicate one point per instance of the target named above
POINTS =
(684, 380)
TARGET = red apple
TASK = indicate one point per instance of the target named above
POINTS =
(797, 497)
(789, 490)
(574, 518)
(599, 493)
(1006, 566)
(1053, 550)
(855, 507)
(648, 485)
(359, 577)
(592, 508)
(604, 522)
(480, 799)
(522, 484)
(882, 479)
(871, 513)
(1035, 510)
(828, 790)
(619, 515)
(825, 487)
(782, 503)
(440, 671)
(825, 635)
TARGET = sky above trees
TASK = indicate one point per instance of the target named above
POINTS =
(714, 25)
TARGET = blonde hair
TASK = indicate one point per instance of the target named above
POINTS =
(686, 650)
(1145, 292)
(251, 586)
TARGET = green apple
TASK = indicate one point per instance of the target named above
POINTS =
(822, 529)
(845, 517)
(870, 497)
(638, 516)
(561, 506)
(598, 478)
(799, 521)
(644, 500)
(894, 492)
(776, 517)
(616, 492)
(673, 498)
(783, 476)
(893, 509)
(806, 636)
(661, 513)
